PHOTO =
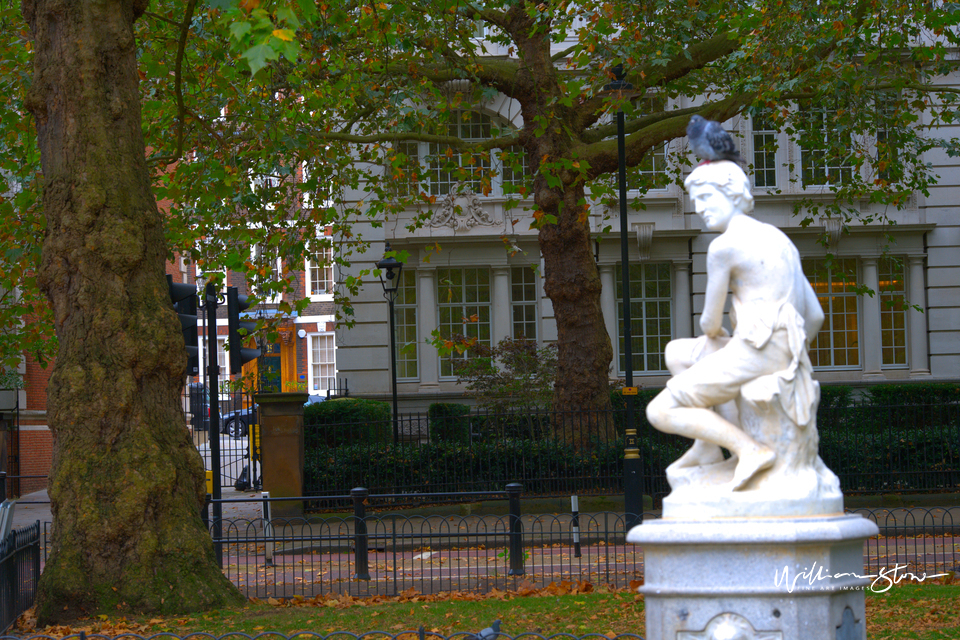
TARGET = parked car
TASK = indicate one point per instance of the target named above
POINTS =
(236, 423)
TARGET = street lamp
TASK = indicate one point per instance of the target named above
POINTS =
(390, 269)
(632, 487)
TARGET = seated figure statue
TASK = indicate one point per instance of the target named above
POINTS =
(750, 392)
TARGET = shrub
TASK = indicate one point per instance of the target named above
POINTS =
(449, 422)
(514, 375)
(344, 421)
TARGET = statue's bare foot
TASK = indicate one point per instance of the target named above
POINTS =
(752, 462)
(701, 453)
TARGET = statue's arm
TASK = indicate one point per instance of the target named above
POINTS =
(718, 283)
(813, 313)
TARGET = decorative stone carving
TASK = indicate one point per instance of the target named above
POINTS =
(462, 210)
(833, 229)
(751, 393)
(644, 239)
(729, 626)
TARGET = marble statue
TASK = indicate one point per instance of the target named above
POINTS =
(750, 392)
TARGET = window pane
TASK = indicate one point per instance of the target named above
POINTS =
(893, 312)
(650, 310)
(463, 308)
(838, 343)
(405, 308)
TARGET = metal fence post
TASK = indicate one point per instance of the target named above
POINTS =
(360, 561)
(516, 531)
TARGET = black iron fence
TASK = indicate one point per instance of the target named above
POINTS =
(230, 433)
(872, 449)
(387, 553)
(19, 572)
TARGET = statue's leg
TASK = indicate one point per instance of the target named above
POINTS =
(701, 453)
(667, 415)
(680, 355)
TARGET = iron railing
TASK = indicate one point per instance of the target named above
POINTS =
(19, 572)
(389, 553)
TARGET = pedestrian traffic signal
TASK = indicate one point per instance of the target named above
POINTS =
(239, 355)
(184, 298)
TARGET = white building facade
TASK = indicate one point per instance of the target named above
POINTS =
(477, 260)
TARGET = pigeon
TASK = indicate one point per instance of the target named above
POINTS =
(490, 633)
(710, 142)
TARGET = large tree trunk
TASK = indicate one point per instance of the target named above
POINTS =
(126, 484)
(572, 282)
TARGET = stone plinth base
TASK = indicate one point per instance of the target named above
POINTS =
(281, 445)
(754, 578)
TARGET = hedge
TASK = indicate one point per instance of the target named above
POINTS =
(345, 421)
(903, 437)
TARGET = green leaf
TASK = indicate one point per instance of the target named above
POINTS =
(239, 29)
(258, 56)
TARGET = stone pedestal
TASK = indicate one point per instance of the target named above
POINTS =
(281, 446)
(787, 578)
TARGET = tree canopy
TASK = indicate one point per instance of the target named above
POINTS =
(265, 119)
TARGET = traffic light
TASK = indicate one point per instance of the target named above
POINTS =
(239, 355)
(184, 298)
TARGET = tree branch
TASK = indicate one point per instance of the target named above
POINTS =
(178, 82)
(694, 57)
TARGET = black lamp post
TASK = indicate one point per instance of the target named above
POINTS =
(632, 487)
(390, 269)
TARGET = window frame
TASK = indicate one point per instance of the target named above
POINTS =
(309, 266)
(532, 272)
(311, 377)
(405, 305)
(466, 306)
(812, 268)
(893, 309)
(641, 320)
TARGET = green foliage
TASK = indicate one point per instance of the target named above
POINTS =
(276, 124)
(928, 393)
(26, 324)
(514, 376)
(618, 403)
(449, 422)
(542, 466)
(346, 421)
(882, 461)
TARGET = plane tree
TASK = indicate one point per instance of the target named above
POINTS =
(863, 82)
(258, 122)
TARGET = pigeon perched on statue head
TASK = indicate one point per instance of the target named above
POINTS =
(710, 142)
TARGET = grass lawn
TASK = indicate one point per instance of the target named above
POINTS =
(908, 611)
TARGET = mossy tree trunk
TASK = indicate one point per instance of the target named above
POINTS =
(127, 483)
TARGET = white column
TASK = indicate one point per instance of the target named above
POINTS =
(683, 305)
(500, 300)
(917, 319)
(608, 303)
(427, 321)
(871, 341)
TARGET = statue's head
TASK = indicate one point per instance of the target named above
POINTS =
(728, 178)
